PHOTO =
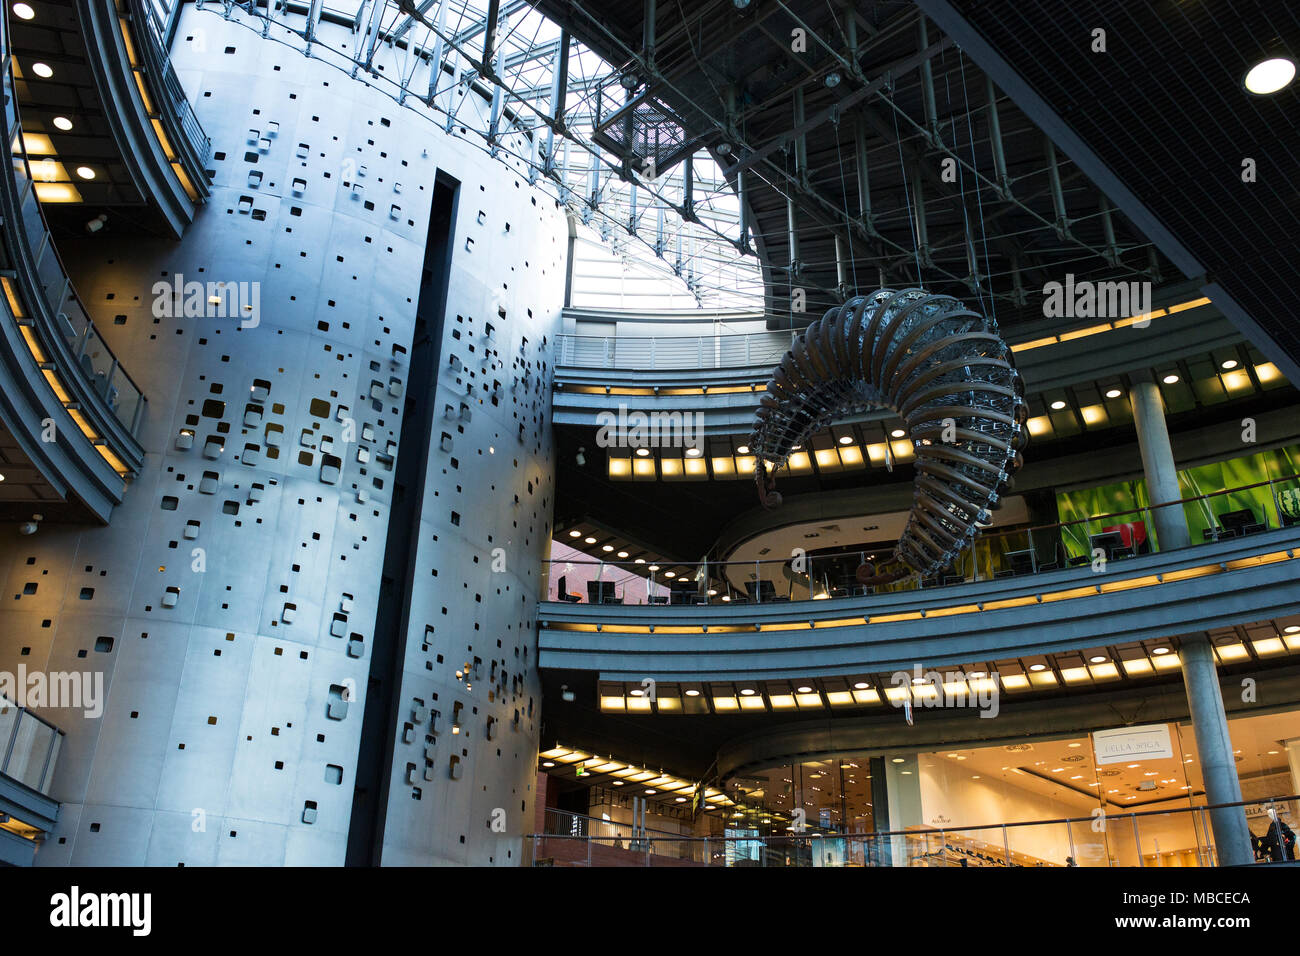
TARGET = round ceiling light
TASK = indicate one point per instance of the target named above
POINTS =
(589, 540)
(1038, 667)
(747, 692)
(692, 693)
(1265, 77)
(742, 449)
(1228, 363)
(692, 453)
(861, 685)
(1098, 659)
(42, 70)
(1289, 629)
(622, 554)
(897, 433)
(575, 534)
(1170, 379)
(23, 11)
(805, 689)
(63, 123)
(846, 440)
(643, 452)
(1114, 393)
(1057, 405)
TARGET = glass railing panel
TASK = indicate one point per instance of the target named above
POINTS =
(31, 748)
(1170, 839)
(125, 398)
(1040, 844)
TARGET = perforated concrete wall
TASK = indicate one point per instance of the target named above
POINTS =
(231, 602)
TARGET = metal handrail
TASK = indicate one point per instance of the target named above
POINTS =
(732, 350)
(983, 539)
(880, 837)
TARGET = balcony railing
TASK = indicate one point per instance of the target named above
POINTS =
(648, 353)
(31, 747)
(1099, 541)
(1137, 839)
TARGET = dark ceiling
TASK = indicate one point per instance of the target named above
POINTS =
(1165, 112)
(996, 233)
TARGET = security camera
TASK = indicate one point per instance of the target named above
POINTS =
(580, 458)
(29, 527)
(567, 695)
(97, 223)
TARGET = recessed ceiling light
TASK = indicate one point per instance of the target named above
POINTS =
(23, 11)
(575, 534)
(42, 70)
(861, 685)
(636, 692)
(805, 689)
(670, 574)
(1170, 379)
(679, 799)
(1057, 405)
(650, 790)
(747, 692)
(1038, 667)
(85, 172)
(549, 763)
(1267, 76)
(654, 567)
(796, 447)
(742, 449)
(63, 123)
(622, 554)
(2, 477)
(589, 540)
(898, 760)
(643, 452)
(1098, 659)
(692, 693)
(1291, 628)
(1113, 393)
(1228, 363)
(607, 547)
(640, 560)
(692, 453)
(1161, 650)
(897, 433)
(846, 440)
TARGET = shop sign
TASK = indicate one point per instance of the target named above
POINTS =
(1150, 742)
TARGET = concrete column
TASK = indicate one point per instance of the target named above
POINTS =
(1214, 751)
(1158, 465)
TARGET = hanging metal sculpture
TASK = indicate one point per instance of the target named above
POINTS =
(948, 375)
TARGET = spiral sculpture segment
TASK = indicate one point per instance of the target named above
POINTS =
(949, 376)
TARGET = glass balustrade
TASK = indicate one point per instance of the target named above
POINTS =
(1101, 541)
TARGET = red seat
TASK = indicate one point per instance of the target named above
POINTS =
(1132, 533)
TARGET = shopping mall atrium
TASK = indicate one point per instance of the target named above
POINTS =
(636, 433)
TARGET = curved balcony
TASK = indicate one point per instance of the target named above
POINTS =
(56, 369)
(723, 376)
(1020, 594)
